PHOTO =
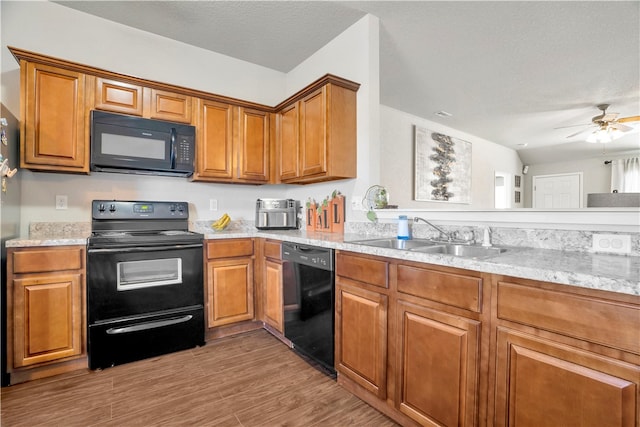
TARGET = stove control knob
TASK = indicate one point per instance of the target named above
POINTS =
(101, 207)
(172, 208)
(112, 208)
(180, 208)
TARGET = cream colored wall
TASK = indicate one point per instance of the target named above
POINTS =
(397, 165)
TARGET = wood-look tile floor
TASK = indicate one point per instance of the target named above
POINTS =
(249, 380)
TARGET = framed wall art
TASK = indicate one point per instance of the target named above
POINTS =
(442, 167)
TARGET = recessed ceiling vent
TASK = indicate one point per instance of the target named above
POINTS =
(444, 114)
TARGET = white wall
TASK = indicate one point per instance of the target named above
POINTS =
(397, 169)
(354, 55)
(55, 30)
(596, 175)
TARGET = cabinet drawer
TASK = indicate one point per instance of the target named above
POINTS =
(38, 261)
(448, 288)
(600, 321)
(229, 248)
(272, 249)
(371, 271)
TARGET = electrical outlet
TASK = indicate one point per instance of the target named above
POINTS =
(612, 243)
(356, 203)
(61, 202)
(213, 204)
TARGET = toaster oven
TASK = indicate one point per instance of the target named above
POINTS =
(277, 214)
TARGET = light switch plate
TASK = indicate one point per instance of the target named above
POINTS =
(612, 243)
(213, 204)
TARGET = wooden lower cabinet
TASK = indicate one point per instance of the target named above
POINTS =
(544, 383)
(273, 308)
(46, 311)
(361, 337)
(438, 366)
(229, 281)
(565, 356)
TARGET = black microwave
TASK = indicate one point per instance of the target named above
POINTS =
(129, 144)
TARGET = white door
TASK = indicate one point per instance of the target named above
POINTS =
(557, 191)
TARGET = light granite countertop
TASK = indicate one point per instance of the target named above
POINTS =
(614, 273)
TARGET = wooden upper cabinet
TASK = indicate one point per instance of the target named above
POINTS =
(313, 134)
(127, 98)
(232, 143)
(317, 138)
(174, 107)
(252, 146)
(118, 97)
(287, 149)
(214, 141)
(54, 129)
(310, 137)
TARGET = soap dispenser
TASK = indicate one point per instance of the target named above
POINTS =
(403, 228)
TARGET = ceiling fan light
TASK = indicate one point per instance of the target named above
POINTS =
(604, 135)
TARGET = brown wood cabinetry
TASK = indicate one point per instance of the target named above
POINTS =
(409, 335)
(232, 143)
(565, 357)
(317, 134)
(361, 321)
(361, 337)
(272, 286)
(46, 311)
(438, 366)
(236, 139)
(127, 98)
(229, 281)
(54, 126)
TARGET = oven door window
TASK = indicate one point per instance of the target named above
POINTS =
(149, 273)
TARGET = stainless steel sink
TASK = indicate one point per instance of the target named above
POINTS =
(461, 250)
(393, 243)
(432, 247)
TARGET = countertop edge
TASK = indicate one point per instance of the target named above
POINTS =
(511, 265)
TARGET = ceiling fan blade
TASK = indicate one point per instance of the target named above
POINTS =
(620, 127)
(589, 129)
(609, 117)
(572, 126)
(629, 119)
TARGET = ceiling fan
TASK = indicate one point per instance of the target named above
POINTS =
(606, 127)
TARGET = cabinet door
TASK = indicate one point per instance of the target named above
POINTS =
(170, 106)
(288, 149)
(53, 127)
(119, 97)
(438, 366)
(273, 310)
(47, 318)
(214, 145)
(361, 337)
(252, 146)
(229, 291)
(313, 134)
(540, 383)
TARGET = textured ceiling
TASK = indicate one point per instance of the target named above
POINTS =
(510, 72)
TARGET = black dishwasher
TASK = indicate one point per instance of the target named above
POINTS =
(308, 297)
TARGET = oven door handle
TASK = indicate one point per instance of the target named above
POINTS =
(143, 249)
(149, 325)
